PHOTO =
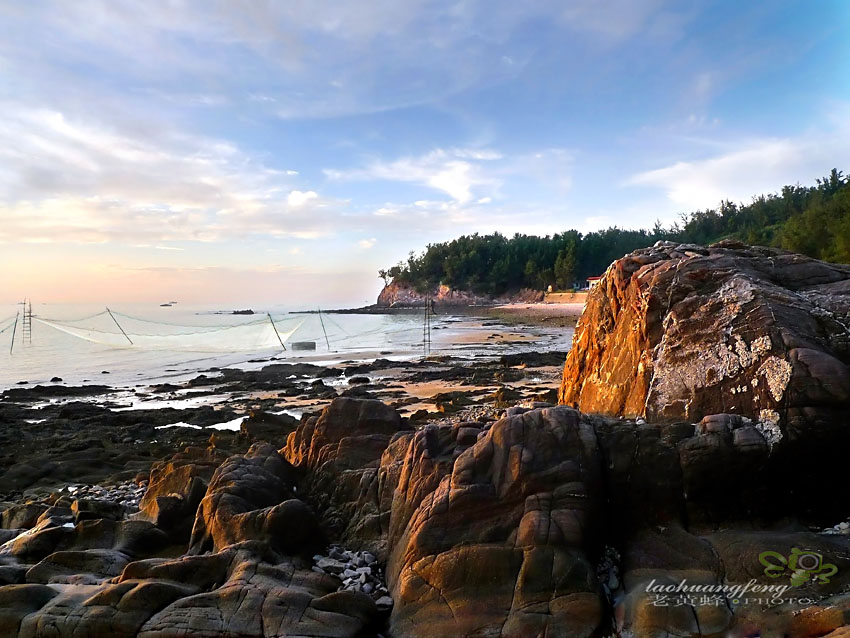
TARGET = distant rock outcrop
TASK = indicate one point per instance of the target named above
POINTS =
(402, 295)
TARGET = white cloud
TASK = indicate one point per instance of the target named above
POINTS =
(65, 179)
(754, 168)
(299, 198)
(448, 219)
(456, 172)
(366, 244)
(466, 174)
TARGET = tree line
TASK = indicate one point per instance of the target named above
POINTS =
(813, 220)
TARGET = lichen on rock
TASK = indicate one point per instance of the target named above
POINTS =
(777, 373)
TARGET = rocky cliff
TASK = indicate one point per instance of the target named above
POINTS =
(402, 295)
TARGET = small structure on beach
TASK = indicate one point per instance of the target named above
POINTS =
(592, 281)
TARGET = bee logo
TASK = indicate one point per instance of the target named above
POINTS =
(801, 566)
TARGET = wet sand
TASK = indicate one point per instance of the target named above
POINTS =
(563, 315)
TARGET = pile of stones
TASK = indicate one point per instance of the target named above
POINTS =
(358, 571)
(128, 493)
(842, 528)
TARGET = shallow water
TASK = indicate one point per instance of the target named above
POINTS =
(196, 341)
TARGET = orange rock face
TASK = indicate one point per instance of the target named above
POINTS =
(682, 331)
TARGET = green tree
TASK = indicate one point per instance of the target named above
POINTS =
(813, 220)
(565, 266)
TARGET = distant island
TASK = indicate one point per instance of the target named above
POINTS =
(475, 269)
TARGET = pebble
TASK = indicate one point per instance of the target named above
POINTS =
(331, 565)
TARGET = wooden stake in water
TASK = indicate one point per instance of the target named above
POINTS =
(321, 321)
(14, 329)
(276, 332)
(119, 326)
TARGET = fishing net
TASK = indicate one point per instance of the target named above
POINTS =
(119, 330)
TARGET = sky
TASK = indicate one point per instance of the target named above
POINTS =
(282, 152)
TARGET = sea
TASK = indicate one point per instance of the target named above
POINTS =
(134, 345)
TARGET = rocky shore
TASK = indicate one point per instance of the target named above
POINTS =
(698, 449)
(400, 295)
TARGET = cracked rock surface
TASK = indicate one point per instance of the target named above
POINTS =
(684, 331)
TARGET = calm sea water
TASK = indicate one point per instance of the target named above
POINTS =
(81, 343)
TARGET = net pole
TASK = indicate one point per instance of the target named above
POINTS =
(425, 331)
(12, 345)
(119, 326)
(276, 332)
(321, 321)
(430, 312)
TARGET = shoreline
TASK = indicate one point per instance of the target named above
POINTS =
(553, 314)
(160, 418)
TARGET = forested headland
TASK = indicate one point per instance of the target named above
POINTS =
(813, 220)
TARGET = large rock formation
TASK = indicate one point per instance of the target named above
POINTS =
(498, 545)
(682, 331)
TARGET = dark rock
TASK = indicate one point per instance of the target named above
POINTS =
(534, 359)
(92, 509)
(267, 427)
(39, 392)
(22, 516)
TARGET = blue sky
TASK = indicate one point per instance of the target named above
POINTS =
(282, 152)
